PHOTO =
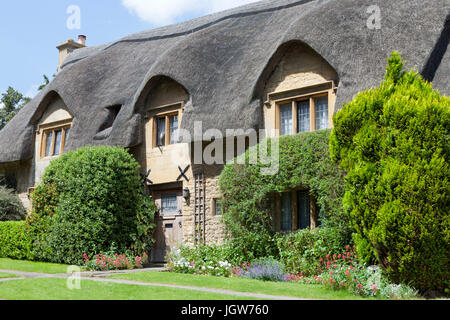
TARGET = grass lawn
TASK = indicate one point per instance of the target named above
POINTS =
(306, 291)
(27, 266)
(7, 275)
(56, 289)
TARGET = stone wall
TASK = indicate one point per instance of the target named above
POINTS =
(215, 230)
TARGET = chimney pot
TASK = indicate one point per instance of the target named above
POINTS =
(82, 39)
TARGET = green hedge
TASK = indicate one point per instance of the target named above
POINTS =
(394, 143)
(248, 193)
(16, 241)
(88, 201)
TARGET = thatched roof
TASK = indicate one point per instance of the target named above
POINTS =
(220, 60)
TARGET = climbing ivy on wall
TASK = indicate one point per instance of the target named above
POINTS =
(248, 204)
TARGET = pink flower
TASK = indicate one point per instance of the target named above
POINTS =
(374, 287)
(331, 273)
(341, 283)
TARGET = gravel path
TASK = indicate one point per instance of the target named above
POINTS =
(101, 277)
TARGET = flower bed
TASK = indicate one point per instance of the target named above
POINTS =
(114, 261)
(266, 269)
(340, 271)
(207, 260)
(344, 271)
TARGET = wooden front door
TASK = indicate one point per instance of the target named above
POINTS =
(169, 223)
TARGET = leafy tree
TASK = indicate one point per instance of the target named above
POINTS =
(10, 104)
(393, 141)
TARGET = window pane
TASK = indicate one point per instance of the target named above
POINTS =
(321, 113)
(169, 203)
(218, 208)
(48, 144)
(304, 116)
(161, 131)
(304, 220)
(58, 136)
(286, 119)
(67, 136)
(173, 129)
(286, 211)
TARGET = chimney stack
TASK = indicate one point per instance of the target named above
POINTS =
(66, 47)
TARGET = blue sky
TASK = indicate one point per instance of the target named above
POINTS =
(31, 30)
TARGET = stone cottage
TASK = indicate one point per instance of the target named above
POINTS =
(286, 65)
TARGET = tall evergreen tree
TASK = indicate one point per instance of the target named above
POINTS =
(10, 104)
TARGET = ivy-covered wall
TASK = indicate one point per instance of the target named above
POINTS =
(304, 161)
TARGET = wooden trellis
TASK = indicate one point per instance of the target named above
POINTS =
(200, 208)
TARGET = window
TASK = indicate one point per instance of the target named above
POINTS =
(166, 129)
(173, 122)
(53, 141)
(286, 211)
(303, 115)
(286, 119)
(303, 208)
(297, 211)
(161, 131)
(169, 203)
(321, 113)
(217, 207)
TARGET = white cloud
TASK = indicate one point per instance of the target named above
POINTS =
(1, 105)
(165, 12)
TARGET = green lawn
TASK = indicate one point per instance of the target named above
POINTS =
(27, 266)
(56, 289)
(306, 291)
(7, 275)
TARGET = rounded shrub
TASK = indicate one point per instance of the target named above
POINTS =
(394, 143)
(11, 208)
(304, 161)
(90, 200)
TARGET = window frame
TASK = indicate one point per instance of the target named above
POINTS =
(295, 96)
(158, 196)
(214, 203)
(166, 112)
(295, 223)
(63, 126)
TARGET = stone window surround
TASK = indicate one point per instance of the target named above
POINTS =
(296, 95)
(44, 129)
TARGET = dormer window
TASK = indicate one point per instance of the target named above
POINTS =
(54, 141)
(304, 112)
(166, 122)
